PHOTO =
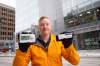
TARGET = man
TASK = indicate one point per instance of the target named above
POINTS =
(47, 51)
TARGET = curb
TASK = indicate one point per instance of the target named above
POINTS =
(89, 54)
(7, 55)
(82, 54)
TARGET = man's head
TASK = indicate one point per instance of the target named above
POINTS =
(44, 25)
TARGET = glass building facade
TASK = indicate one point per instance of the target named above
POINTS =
(83, 18)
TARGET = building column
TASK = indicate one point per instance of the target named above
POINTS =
(76, 42)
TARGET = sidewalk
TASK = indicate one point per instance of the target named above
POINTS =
(7, 54)
(89, 53)
(83, 53)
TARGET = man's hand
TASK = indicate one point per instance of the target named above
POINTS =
(66, 38)
(24, 46)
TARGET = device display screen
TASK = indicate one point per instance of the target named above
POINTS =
(25, 38)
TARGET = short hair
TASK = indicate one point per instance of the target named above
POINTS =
(42, 17)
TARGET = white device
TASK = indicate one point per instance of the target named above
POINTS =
(27, 38)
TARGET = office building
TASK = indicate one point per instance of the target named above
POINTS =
(7, 27)
(54, 10)
(82, 17)
(29, 11)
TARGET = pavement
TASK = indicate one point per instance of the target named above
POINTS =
(7, 54)
(83, 53)
(88, 58)
(89, 53)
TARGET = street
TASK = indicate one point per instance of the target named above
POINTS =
(85, 61)
(6, 61)
(90, 61)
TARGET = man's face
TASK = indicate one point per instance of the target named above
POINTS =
(45, 26)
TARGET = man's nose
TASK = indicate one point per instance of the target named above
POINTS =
(45, 26)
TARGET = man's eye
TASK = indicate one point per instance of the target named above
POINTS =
(41, 25)
(44, 24)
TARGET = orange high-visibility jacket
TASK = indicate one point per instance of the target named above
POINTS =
(39, 56)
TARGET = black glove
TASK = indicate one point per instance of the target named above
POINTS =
(66, 38)
(24, 46)
(25, 40)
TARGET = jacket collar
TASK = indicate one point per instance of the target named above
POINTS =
(41, 43)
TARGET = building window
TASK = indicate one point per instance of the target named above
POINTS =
(97, 10)
(89, 40)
